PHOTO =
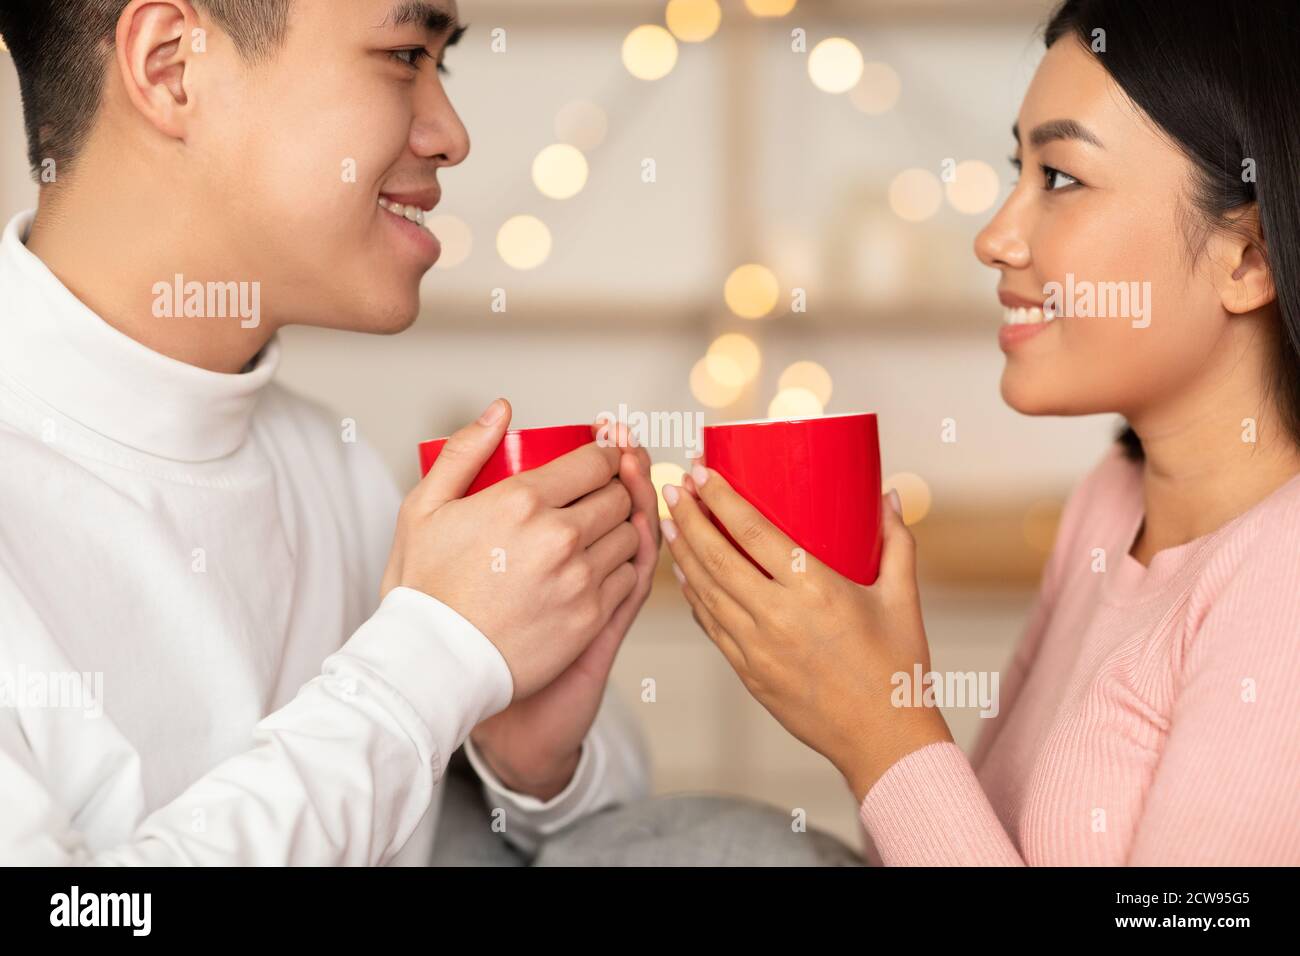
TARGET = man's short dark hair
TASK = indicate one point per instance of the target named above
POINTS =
(62, 49)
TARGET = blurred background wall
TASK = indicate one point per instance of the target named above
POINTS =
(690, 139)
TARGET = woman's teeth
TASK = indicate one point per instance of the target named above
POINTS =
(1026, 316)
(414, 213)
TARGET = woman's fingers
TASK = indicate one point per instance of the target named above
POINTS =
(731, 650)
(719, 558)
(713, 597)
(898, 548)
(761, 539)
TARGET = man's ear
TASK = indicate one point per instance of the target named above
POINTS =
(153, 57)
(1241, 271)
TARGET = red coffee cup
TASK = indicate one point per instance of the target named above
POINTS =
(817, 479)
(520, 450)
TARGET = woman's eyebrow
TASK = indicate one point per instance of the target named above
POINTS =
(1054, 130)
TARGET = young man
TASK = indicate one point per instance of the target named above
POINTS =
(190, 556)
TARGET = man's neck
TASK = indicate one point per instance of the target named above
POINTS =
(114, 254)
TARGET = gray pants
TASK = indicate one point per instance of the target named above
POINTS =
(681, 830)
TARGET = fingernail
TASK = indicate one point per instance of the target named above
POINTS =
(492, 414)
(670, 495)
(681, 578)
(670, 529)
(700, 474)
(895, 502)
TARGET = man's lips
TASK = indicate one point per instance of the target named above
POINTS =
(424, 199)
(406, 210)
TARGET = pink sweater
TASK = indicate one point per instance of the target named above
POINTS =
(1150, 716)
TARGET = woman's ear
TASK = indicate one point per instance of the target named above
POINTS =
(1240, 262)
(154, 56)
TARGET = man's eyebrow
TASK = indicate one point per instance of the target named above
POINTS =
(1054, 130)
(432, 17)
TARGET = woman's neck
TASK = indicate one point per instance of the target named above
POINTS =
(1193, 484)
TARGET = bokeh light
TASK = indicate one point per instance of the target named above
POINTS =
(649, 52)
(456, 238)
(582, 124)
(914, 493)
(770, 8)
(974, 187)
(878, 90)
(708, 391)
(560, 171)
(665, 473)
(809, 376)
(524, 242)
(752, 291)
(693, 21)
(835, 65)
(915, 195)
(733, 359)
(794, 403)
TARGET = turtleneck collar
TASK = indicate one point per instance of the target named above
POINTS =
(62, 352)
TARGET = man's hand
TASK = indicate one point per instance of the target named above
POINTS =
(533, 745)
(539, 563)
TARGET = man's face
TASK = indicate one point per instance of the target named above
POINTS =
(298, 152)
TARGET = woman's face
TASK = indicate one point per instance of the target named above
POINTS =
(1099, 217)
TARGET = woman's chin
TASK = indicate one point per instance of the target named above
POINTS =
(1026, 396)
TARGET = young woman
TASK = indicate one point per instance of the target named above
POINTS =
(1151, 714)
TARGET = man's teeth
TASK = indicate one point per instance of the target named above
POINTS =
(1026, 316)
(414, 213)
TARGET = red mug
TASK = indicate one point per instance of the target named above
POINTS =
(520, 450)
(817, 479)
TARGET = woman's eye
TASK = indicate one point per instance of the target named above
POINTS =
(1053, 179)
(1015, 164)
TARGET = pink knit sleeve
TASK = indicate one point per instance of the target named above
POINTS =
(1227, 789)
(928, 809)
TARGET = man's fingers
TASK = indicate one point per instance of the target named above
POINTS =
(615, 588)
(464, 456)
(635, 476)
(617, 547)
(571, 476)
(761, 539)
(600, 512)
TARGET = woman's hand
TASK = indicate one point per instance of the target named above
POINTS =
(817, 650)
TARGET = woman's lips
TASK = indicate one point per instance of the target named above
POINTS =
(1012, 334)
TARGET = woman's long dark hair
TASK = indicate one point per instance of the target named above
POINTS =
(1222, 80)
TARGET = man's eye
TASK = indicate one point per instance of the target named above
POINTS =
(1053, 179)
(411, 57)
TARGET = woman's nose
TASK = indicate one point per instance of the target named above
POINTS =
(1001, 243)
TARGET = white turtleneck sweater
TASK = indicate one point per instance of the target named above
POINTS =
(192, 666)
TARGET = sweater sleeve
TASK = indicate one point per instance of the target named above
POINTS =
(929, 809)
(613, 769)
(341, 775)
